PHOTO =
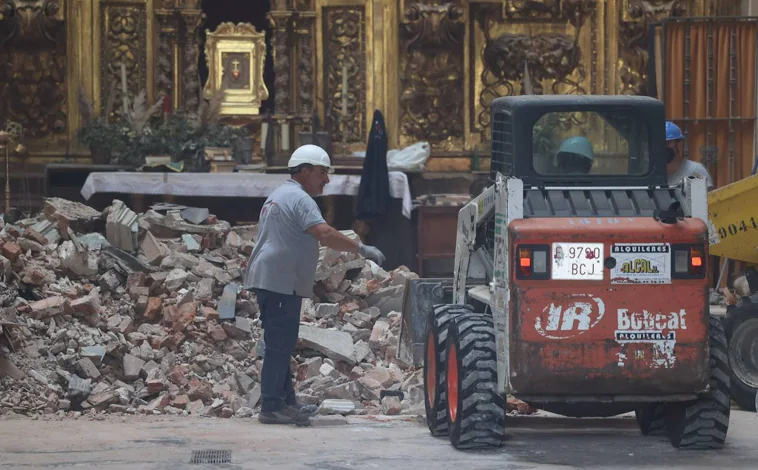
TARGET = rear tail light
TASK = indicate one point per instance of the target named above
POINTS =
(532, 262)
(688, 261)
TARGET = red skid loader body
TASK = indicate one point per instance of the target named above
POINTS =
(608, 306)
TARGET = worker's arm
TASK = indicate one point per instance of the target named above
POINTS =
(334, 239)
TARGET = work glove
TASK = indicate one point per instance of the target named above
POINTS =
(372, 253)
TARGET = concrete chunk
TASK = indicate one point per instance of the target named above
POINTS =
(327, 310)
(132, 367)
(244, 382)
(153, 250)
(204, 289)
(121, 226)
(47, 308)
(227, 304)
(94, 353)
(325, 421)
(361, 350)
(190, 243)
(86, 368)
(65, 214)
(331, 406)
(387, 299)
(309, 368)
(336, 345)
(378, 333)
(175, 279)
(359, 319)
(81, 264)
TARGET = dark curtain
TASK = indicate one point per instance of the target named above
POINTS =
(374, 191)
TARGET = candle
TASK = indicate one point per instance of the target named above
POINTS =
(344, 90)
(166, 104)
(264, 135)
(124, 93)
(285, 136)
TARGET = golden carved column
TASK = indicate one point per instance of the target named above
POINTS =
(125, 36)
(431, 75)
(294, 45)
(345, 35)
(36, 73)
(178, 26)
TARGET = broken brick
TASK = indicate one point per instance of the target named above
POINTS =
(154, 309)
(217, 333)
(11, 251)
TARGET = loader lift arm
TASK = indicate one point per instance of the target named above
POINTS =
(471, 218)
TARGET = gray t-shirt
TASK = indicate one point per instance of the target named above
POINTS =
(285, 256)
(690, 168)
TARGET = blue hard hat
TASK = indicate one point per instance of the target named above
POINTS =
(577, 145)
(673, 132)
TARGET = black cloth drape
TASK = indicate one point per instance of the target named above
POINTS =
(374, 191)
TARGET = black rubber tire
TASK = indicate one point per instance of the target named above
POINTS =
(650, 419)
(741, 392)
(480, 420)
(437, 324)
(704, 423)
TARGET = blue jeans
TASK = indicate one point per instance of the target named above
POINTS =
(280, 314)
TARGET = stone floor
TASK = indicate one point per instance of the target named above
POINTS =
(534, 443)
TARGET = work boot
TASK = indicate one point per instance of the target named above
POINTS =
(287, 415)
(309, 410)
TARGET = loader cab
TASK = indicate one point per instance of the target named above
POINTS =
(557, 140)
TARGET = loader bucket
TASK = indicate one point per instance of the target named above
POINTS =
(419, 297)
(734, 219)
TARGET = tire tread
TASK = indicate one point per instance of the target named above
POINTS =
(482, 412)
(441, 318)
(706, 420)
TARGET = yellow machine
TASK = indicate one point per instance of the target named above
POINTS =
(733, 215)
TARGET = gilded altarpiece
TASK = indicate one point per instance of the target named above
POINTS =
(33, 70)
(432, 67)
(125, 33)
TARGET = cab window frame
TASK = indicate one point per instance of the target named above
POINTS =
(641, 134)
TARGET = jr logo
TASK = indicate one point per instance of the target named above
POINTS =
(578, 315)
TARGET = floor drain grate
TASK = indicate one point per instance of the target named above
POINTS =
(211, 456)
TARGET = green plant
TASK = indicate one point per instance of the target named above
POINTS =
(207, 131)
(103, 138)
(182, 135)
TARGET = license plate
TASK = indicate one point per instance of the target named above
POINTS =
(578, 261)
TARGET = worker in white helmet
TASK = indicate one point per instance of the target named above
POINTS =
(281, 272)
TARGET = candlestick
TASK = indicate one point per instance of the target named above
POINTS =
(285, 136)
(264, 135)
(344, 91)
(124, 96)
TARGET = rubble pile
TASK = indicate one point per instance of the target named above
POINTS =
(121, 312)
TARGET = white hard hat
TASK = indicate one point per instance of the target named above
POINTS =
(312, 154)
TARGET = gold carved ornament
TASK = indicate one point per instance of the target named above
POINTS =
(33, 71)
(515, 62)
(636, 18)
(235, 56)
(431, 101)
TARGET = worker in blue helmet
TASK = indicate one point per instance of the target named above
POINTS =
(575, 156)
(677, 166)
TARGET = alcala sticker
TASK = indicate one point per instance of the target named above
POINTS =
(641, 263)
(658, 329)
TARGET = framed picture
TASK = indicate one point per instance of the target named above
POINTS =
(235, 55)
